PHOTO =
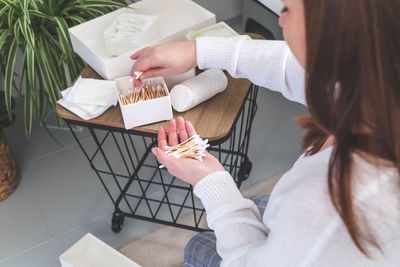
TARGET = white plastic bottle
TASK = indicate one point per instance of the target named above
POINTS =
(198, 89)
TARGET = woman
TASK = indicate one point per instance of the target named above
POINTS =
(339, 205)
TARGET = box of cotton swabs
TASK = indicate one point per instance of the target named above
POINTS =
(145, 104)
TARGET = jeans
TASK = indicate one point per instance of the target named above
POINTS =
(201, 249)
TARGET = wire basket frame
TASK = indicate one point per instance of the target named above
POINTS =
(138, 188)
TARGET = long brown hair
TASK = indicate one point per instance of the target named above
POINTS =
(353, 91)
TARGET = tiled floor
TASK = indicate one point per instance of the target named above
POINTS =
(60, 199)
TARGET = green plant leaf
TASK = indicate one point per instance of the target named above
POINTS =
(41, 103)
(77, 19)
(9, 74)
(22, 77)
(4, 36)
(103, 3)
(58, 57)
(24, 5)
(11, 13)
(33, 3)
(50, 57)
(30, 69)
(27, 32)
(66, 45)
(94, 10)
(83, 5)
(40, 14)
(10, 4)
(3, 10)
(71, 5)
(46, 73)
(52, 7)
(28, 109)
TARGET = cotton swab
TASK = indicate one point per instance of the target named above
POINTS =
(136, 79)
(142, 93)
(193, 148)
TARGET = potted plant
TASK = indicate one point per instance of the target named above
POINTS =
(9, 174)
(38, 31)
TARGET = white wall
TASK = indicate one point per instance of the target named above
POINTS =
(224, 9)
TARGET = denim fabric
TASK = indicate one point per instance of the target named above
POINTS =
(201, 250)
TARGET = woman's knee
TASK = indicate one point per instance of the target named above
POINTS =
(261, 202)
(201, 250)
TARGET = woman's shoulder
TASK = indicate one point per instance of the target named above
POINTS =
(376, 196)
(374, 177)
(376, 183)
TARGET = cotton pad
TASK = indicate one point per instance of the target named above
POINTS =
(93, 92)
(89, 98)
(128, 31)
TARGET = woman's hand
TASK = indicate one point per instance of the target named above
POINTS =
(188, 170)
(165, 60)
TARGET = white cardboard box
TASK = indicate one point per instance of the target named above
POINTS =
(149, 111)
(175, 18)
(90, 251)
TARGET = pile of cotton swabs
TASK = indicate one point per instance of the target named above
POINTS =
(192, 148)
(145, 92)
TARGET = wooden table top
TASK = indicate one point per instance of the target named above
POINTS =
(212, 119)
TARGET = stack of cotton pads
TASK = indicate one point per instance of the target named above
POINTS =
(89, 98)
(128, 31)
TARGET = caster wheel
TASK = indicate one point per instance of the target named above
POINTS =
(117, 221)
(116, 228)
(245, 169)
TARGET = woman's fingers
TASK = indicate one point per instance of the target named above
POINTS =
(141, 65)
(189, 128)
(162, 138)
(186, 130)
(137, 83)
(172, 135)
(183, 135)
(140, 52)
(154, 72)
(163, 158)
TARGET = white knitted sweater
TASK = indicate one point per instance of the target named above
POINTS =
(300, 226)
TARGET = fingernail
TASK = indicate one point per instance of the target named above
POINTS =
(154, 151)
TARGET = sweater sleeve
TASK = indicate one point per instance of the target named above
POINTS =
(235, 220)
(270, 64)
